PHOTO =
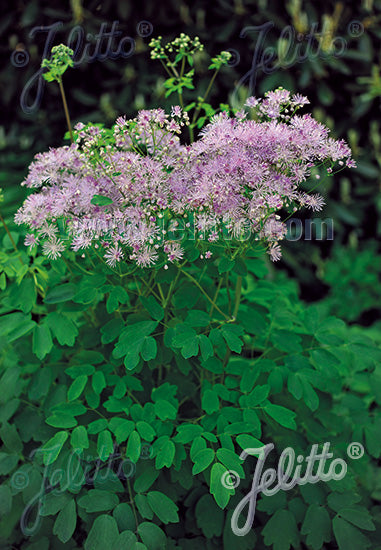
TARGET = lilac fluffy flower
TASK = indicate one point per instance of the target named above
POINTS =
(130, 190)
(30, 240)
(113, 255)
(275, 252)
(53, 248)
(252, 102)
(315, 202)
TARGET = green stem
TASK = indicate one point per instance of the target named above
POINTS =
(204, 293)
(228, 292)
(161, 293)
(181, 100)
(238, 292)
(215, 297)
(132, 503)
(237, 299)
(66, 109)
(160, 373)
(166, 68)
(150, 290)
(180, 91)
(171, 290)
(197, 111)
(182, 67)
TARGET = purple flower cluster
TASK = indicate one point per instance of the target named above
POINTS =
(135, 193)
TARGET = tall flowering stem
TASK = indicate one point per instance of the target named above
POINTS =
(66, 110)
(61, 59)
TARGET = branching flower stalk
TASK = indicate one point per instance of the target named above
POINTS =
(182, 51)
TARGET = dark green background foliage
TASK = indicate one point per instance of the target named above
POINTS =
(193, 390)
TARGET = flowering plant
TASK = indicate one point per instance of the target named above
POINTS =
(135, 193)
(138, 373)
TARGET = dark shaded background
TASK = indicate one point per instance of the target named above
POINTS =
(344, 91)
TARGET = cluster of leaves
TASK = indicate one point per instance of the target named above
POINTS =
(353, 279)
(126, 400)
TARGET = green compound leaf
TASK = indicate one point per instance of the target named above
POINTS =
(105, 445)
(52, 448)
(77, 387)
(280, 414)
(163, 507)
(61, 421)
(66, 521)
(258, 395)
(349, 537)
(97, 500)
(101, 200)
(225, 265)
(146, 480)
(209, 517)
(185, 337)
(149, 348)
(98, 382)
(165, 455)
(15, 325)
(132, 341)
(210, 402)
(79, 438)
(187, 433)
(103, 534)
(146, 431)
(231, 335)
(281, 531)
(317, 526)
(165, 410)
(42, 341)
(152, 536)
(202, 460)
(197, 318)
(123, 430)
(134, 447)
(153, 307)
(111, 330)
(61, 293)
(358, 516)
(218, 489)
(206, 347)
(63, 328)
